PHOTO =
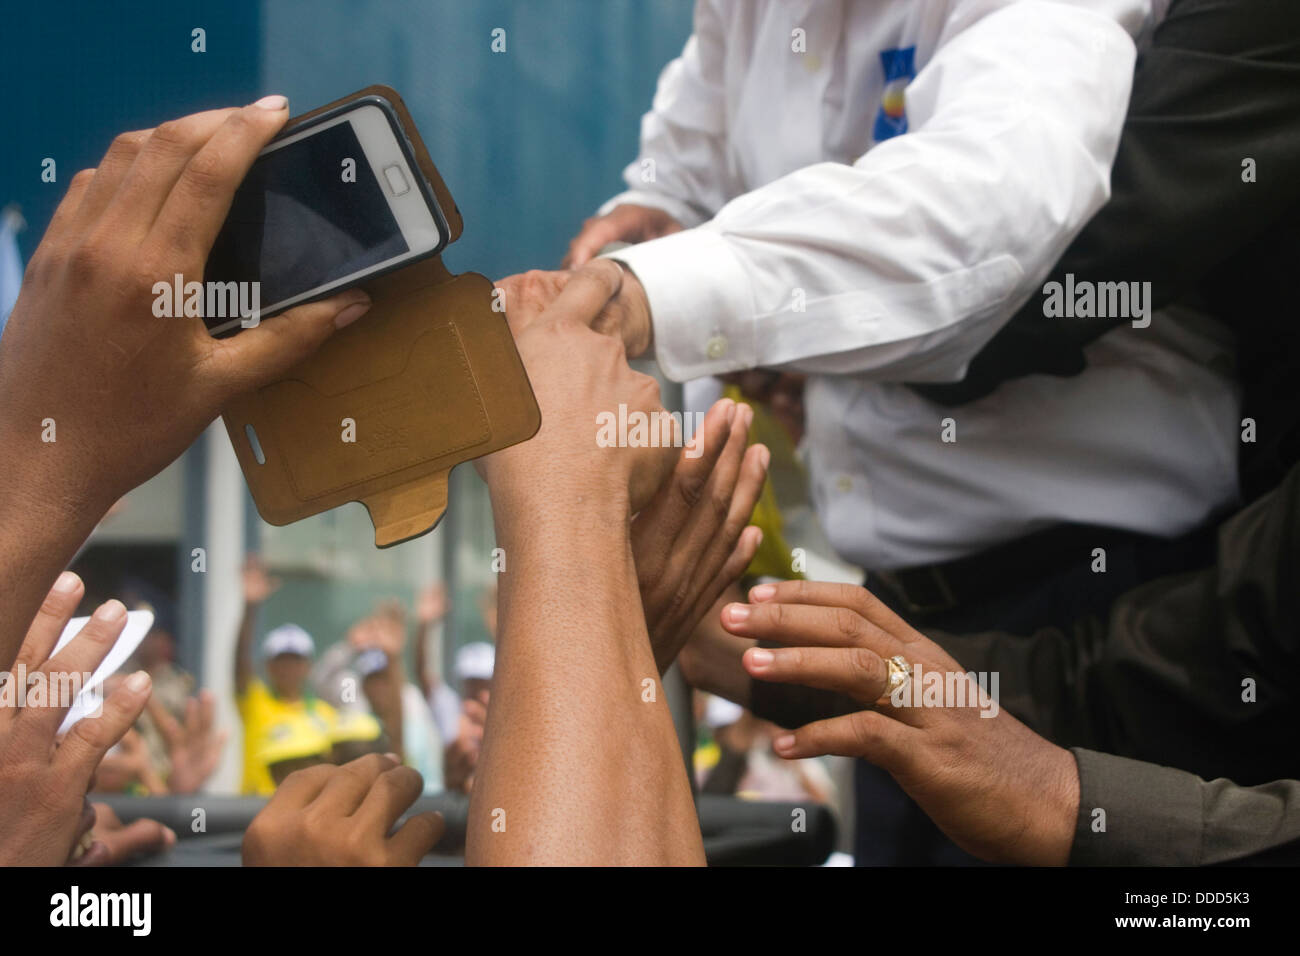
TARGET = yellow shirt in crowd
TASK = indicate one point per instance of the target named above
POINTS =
(276, 730)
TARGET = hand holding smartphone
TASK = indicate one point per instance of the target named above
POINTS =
(384, 410)
(331, 202)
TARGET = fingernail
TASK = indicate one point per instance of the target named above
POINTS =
(762, 592)
(169, 836)
(67, 583)
(760, 658)
(737, 613)
(783, 743)
(749, 415)
(764, 457)
(273, 102)
(110, 611)
(138, 682)
(393, 757)
(353, 312)
(731, 411)
(758, 536)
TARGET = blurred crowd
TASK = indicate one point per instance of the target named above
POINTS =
(376, 689)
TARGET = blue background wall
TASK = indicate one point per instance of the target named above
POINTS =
(529, 141)
(74, 75)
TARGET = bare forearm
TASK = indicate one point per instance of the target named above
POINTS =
(244, 647)
(580, 763)
(43, 528)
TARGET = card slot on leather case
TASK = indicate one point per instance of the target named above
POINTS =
(427, 379)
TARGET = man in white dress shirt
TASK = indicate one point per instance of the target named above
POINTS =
(865, 193)
(816, 237)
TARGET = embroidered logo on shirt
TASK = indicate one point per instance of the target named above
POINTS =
(900, 69)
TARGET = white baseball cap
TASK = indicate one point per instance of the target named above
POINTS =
(288, 639)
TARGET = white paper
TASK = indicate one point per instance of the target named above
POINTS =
(89, 699)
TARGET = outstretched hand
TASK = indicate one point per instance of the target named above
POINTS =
(996, 788)
(693, 539)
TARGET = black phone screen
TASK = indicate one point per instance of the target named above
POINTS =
(297, 222)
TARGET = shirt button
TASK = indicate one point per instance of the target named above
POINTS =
(844, 483)
(716, 347)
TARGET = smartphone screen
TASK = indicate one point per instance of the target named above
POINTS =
(320, 209)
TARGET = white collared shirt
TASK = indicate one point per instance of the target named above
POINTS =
(872, 190)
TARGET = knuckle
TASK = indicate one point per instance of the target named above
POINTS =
(682, 596)
(94, 734)
(847, 624)
(39, 265)
(861, 730)
(778, 616)
(170, 134)
(317, 774)
(205, 171)
(732, 528)
(797, 592)
(720, 503)
(361, 848)
(127, 144)
(645, 383)
(82, 179)
(147, 270)
(238, 123)
(252, 848)
(867, 667)
(87, 261)
(690, 486)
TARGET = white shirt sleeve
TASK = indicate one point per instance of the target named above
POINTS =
(682, 167)
(900, 266)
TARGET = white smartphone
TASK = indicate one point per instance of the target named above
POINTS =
(327, 204)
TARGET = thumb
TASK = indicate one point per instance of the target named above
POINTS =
(262, 354)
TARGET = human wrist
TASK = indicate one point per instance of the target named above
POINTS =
(1060, 811)
(526, 508)
(638, 327)
(46, 493)
(528, 489)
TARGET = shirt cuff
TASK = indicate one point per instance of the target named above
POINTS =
(700, 303)
(1152, 815)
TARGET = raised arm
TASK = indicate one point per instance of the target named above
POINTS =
(258, 586)
(580, 763)
(98, 393)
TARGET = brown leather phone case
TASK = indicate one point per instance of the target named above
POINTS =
(429, 376)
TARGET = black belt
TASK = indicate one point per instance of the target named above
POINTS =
(1018, 565)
